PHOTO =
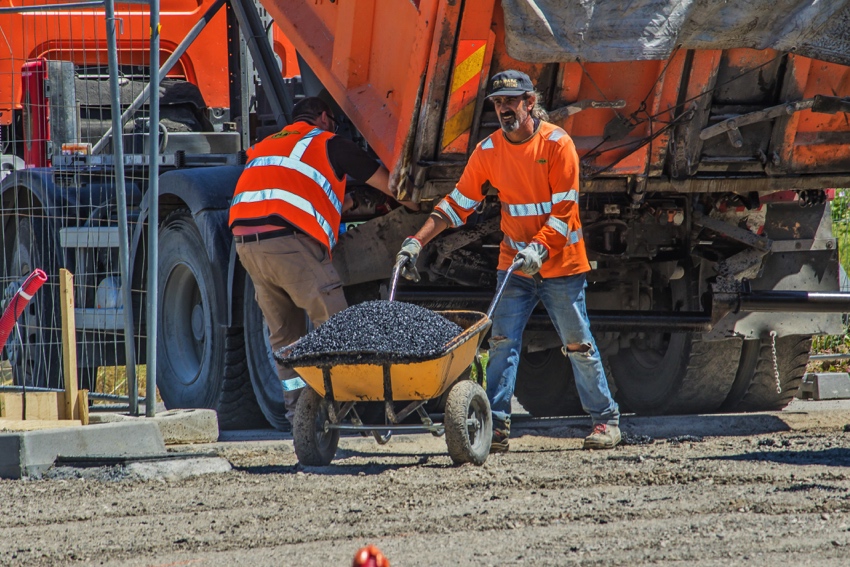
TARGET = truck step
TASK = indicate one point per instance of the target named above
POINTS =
(89, 237)
(103, 319)
(825, 386)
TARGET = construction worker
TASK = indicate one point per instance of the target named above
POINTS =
(535, 169)
(285, 218)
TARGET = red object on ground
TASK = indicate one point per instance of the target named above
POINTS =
(370, 556)
(17, 304)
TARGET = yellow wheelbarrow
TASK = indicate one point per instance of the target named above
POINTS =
(337, 385)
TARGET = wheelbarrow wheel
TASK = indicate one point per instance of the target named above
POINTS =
(315, 446)
(468, 423)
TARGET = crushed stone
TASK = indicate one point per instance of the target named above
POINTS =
(679, 439)
(386, 330)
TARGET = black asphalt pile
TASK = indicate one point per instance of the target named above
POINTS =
(632, 439)
(373, 332)
(678, 440)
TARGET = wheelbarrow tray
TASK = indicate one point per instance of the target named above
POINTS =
(370, 376)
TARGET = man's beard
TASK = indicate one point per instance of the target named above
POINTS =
(509, 123)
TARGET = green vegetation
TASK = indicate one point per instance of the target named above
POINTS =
(832, 344)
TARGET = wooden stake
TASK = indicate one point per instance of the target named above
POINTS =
(69, 344)
(83, 406)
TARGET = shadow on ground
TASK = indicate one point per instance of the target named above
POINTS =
(657, 427)
(836, 457)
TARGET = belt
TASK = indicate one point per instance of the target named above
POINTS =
(245, 238)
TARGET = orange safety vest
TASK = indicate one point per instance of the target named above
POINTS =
(538, 185)
(289, 175)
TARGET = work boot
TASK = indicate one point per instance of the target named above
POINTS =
(501, 435)
(603, 436)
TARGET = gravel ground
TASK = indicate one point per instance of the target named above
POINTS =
(753, 498)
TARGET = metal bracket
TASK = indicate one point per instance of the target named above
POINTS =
(736, 233)
(564, 112)
(733, 123)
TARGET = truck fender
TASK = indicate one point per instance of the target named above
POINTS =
(34, 181)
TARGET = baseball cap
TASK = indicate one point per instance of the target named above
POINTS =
(509, 83)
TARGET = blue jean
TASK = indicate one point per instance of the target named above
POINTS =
(564, 300)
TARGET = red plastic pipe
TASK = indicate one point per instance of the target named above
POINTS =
(19, 301)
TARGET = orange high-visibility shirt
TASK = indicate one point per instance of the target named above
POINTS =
(537, 181)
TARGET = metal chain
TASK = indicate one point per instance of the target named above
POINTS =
(775, 363)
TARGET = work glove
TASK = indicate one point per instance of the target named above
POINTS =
(409, 252)
(532, 257)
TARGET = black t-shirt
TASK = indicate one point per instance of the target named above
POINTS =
(347, 158)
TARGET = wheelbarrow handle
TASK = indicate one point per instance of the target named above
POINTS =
(496, 298)
(514, 267)
(396, 273)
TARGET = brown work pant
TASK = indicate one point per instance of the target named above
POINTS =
(292, 274)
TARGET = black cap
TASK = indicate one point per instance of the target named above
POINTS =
(509, 83)
(310, 107)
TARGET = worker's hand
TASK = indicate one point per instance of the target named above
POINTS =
(409, 253)
(532, 257)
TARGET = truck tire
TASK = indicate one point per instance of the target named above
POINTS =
(754, 388)
(545, 385)
(34, 354)
(238, 407)
(201, 362)
(268, 390)
(683, 376)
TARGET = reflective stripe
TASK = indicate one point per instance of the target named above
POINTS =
(302, 144)
(571, 195)
(302, 168)
(515, 245)
(463, 201)
(559, 225)
(530, 209)
(293, 384)
(487, 144)
(291, 198)
(24, 295)
(446, 208)
(556, 135)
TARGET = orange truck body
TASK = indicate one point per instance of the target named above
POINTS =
(410, 76)
(80, 37)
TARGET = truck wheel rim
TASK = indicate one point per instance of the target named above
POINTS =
(184, 322)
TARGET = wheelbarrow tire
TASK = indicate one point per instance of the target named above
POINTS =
(466, 443)
(314, 446)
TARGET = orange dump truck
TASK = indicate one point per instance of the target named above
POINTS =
(708, 134)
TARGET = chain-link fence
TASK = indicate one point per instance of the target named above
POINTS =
(61, 203)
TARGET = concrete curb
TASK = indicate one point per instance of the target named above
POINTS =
(178, 427)
(30, 453)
